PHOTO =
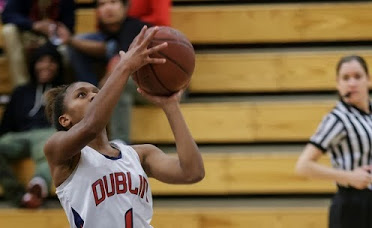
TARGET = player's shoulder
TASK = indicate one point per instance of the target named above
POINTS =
(144, 150)
(52, 141)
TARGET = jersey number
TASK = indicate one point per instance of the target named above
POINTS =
(129, 218)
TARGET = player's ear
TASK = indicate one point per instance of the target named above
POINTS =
(65, 121)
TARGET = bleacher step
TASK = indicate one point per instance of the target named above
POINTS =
(189, 217)
(238, 170)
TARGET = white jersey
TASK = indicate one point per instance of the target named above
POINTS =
(107, 192)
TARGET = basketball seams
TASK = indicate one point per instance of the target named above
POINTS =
(182, 42)
(174, 62)
(157, 79)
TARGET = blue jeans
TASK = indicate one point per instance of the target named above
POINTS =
(85, 66)
(15, 146)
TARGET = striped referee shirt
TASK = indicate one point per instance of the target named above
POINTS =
(346, 133)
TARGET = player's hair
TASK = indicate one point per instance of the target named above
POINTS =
(55, 107)
(350, 58)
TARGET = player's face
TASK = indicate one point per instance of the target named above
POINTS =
(110, 11)
(45, 69)
(77, 100)
(352, 79)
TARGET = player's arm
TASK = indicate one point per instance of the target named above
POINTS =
(188, 166)
(308, 166)
(64, 145)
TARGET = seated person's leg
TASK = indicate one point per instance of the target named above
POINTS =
(15, 54)
(12, 188)
(39, 186)
(13, 147)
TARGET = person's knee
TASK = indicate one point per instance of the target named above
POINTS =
(10, 30)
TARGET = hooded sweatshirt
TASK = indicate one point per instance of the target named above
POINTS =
(25, 111)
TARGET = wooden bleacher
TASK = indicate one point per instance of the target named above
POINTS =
(193, 217)
(235, 122)
(235, 173)
(280, 70)
(232, 173)
(271, 71)
(244, 72)
(242, 122)
(277, 22)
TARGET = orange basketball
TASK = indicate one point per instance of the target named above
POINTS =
(174, 75)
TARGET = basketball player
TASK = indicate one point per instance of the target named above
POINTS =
(346, 133)
(105, 184)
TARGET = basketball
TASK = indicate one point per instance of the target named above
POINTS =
(174, 75)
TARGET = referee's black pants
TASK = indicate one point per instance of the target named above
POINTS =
(351, 208)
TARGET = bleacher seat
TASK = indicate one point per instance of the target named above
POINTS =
(235, 122)
(264, 23)
(231, 172)
(189, 217)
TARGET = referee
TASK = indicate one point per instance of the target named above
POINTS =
(346, 134)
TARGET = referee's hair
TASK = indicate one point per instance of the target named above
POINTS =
(350, 58)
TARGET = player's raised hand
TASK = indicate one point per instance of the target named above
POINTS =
(138, 54)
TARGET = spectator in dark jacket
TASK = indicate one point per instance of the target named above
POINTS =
(24, 129)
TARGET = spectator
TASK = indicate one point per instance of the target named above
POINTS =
(155, 12)
(28, 24)
(115, 32)
(24, 128)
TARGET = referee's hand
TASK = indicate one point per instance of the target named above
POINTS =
(360, 178)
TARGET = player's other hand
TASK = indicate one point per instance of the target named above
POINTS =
(139, 55)
(162, 101)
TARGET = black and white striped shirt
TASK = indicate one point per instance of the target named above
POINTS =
(346, 132)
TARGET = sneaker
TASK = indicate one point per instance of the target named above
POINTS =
(36, 193)
(32, 199)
